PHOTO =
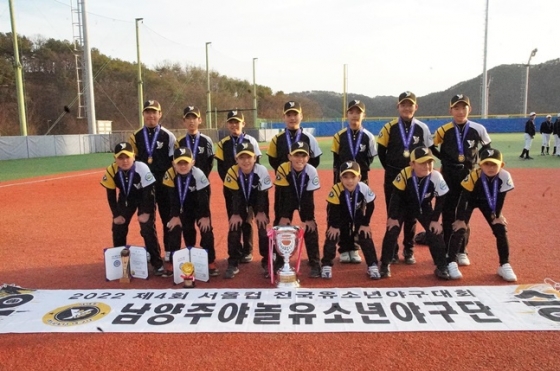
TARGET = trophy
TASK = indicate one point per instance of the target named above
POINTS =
(286, 240)
(125, 261)
(188, 275)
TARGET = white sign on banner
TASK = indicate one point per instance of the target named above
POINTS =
(195, 255)
(533, 307)
(138, 262)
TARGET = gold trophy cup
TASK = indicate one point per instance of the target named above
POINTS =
(286, 240)
(125, 262)
(188, 275)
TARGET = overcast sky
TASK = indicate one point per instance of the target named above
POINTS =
(389, 46)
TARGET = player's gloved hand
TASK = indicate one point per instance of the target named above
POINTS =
(392, 223)
(310, 226)
(500, 220)
(119, 220)
(261, 219)
(204, 224)
(143, 218)
(235, 222)
(366, 230)
(284, 221)
(173, 222)
(333, 233)
(436, 228)
(458, 224)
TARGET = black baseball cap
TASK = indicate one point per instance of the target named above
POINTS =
(300, 147)
(356, 103)
(407, 95)
(421, 155)
(191, 110)
(235, 115)
(458, 98)
(245, 147)
(292, 106)
(182, 154)
(350, 166)
(124, 148)
(491, 155)
(152, 104)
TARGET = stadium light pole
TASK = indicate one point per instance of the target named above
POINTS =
(484, 107)
(18, 76)
(208, 97)
(344, 93)
(533, 53)
(254, 95)
(140, 82)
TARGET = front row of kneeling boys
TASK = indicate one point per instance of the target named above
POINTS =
(350, 205)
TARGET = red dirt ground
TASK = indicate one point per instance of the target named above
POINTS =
(53, 232)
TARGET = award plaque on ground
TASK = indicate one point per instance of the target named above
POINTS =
(137, 262)
(199, 259)
(286, 240)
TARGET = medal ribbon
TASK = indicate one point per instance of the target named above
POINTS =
(150, 146)
(492, 198)
(299, 190)
(127, 186)
(406, 139)
(195, 145)
(183, 192)
(246, 191)
(461, 138)
(236, 142)
(354, 148)
(289, 140)
(419, 195)
(351, 207)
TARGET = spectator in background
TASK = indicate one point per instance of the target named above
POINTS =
(546, 130)
(530, 131)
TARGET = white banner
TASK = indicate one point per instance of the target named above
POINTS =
(468, 308)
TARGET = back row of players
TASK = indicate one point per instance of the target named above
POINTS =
(177, 172)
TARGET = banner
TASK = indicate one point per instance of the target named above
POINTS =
(533, 307)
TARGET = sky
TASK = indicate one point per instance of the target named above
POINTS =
(388, 46)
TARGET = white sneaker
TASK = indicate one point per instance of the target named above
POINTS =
(463, 259)
(373, 272)
(454, 272)
(326, 272)
(167, 256)
(344, 257)
(355, 257)
(506, 272)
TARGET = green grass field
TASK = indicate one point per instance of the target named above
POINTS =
(510, 144)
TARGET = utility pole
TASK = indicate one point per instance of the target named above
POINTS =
(254, 96)
(88, 75)
(208, 97)
(484, 92)
(344, 94)
(19, 76)
(139, 78)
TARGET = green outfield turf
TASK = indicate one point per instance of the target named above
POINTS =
(510, 144)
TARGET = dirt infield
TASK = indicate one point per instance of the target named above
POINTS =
(54, 229)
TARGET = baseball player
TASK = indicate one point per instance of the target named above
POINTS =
(353, 143)
(135, 184)
(189, 204)
(556, 133)
(530, 131)
(546, 130)
(154, 145)
(202, 149)
(395, 142)
(458, 143)
(225, 158)
(484, 188)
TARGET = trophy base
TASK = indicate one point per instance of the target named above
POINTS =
(125, 280)
(288, 280)
(188, 284)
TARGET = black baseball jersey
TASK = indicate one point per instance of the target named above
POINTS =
(203, 153)
(406, 194)
(194, 201)
(138, 193)
(556, 127)
(530, 128)
(225, 152)
(238, 186)
(343, 148)
(390, 144)
(474, 195)
(294, 191)
(446, 138)
(352, 212)
(143, 139)
(279, 148)
(546, 127)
